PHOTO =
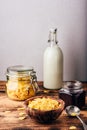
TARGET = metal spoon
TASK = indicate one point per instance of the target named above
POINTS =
(75, 111)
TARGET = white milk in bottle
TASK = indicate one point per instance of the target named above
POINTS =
(53, 63)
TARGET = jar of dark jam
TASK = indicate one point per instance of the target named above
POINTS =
(73, 94)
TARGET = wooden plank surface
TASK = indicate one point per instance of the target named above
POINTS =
(10, 115)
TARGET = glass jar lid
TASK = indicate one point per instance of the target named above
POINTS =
(19, 71)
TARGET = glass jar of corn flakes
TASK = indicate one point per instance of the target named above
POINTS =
(21, 82)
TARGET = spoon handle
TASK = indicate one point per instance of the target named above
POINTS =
(84, 125)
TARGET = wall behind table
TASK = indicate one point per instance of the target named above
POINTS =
(24, 28)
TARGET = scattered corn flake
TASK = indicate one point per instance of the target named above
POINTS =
(21, 113)
(46, 91)
(72, 128)
(22, 117)
(20, 108)
(7, 111)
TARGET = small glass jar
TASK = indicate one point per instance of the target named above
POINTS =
(73, 94)
(21, 82)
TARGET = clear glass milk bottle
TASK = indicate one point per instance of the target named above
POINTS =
(53, 63)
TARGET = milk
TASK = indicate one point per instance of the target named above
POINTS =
(53, 65)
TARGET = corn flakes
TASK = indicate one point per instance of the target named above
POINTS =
(44, 104)
(20, 89)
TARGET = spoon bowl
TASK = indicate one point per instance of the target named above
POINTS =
(75, 111)
(72, 110)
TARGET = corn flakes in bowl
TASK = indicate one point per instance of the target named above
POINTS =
(44, 109)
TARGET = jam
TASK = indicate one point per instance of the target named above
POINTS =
(73, 94)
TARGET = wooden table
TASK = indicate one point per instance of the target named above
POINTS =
(10, 114)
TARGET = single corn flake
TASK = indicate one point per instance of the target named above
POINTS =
(20, 108)
(73, 114)
(6, 112)
(22, 117)
(72, 128)
(21, 113)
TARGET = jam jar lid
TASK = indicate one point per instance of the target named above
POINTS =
(73, 87)
(20, 71)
